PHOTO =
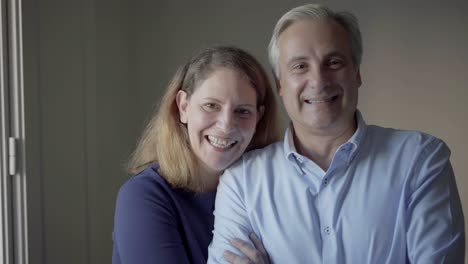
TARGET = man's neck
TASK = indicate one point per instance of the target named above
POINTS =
(320, 146)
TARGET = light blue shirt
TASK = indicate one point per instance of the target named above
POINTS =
(389, 196)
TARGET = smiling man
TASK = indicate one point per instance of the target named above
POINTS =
(337, 190)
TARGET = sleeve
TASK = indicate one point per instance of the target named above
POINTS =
(145, 227)
(436, 232)
(231, 219)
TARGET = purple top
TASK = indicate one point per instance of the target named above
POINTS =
(155, 223)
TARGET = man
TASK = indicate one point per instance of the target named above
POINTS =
(337, 190)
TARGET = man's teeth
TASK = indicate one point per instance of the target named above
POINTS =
(220, 143)
(318, 101)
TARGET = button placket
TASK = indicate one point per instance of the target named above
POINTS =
(325, 181)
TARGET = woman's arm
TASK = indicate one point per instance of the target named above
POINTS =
(145, 228)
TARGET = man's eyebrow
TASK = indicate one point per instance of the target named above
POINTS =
(336, 54)
(296, 58)
(331, 54)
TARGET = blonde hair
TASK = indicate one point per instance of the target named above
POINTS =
(165, 139)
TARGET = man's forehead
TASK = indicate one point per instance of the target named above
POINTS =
(320, 28)
(309, 34)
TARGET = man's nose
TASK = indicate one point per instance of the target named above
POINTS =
(319, 77)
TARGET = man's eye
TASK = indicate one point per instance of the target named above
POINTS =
(335, 64)
(299, 66)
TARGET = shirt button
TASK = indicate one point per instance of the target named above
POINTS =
(347, 148)
(325, 181)
(327, 230)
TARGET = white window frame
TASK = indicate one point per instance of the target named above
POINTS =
(5, 184)
(13, 209)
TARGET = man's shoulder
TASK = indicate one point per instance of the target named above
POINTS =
(405, 140)
(263, 154)
(400, 135)
(255, 160)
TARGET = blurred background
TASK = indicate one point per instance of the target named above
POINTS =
(95, 69)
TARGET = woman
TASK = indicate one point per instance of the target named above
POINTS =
(217, 106)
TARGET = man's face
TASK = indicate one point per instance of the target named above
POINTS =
(318, 80)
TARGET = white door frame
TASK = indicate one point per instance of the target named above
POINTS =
(5, 183)
(13, 212)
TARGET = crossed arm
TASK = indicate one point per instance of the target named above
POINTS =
(433, 221)
(435, 226)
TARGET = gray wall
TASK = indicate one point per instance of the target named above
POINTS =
(79, 124)
(94, 69)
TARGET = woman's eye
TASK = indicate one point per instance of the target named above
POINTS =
(210, 106)
(244, 112)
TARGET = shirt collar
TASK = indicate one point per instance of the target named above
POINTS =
(289, 146)
(290, 150)
(354, 142)
(357, 139)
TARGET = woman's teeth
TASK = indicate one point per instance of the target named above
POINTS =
(220, 143)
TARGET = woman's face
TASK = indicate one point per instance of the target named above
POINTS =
(221, 116)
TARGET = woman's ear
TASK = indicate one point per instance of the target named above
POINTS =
(182, 103)
(261, 111)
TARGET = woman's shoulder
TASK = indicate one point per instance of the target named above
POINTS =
(147, 184)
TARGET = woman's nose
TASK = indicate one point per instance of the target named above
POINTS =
(226, 121)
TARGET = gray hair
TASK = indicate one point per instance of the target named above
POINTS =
(315, 11)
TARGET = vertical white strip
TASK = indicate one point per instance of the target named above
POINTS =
(12, 156)
(20, 246)
(5, 201)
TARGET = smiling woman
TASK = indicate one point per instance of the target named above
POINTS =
(218, 105)
(220, 117)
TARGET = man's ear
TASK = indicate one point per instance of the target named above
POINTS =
(358, 78)
(278, 87)
(277, 83)
(182, 103)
